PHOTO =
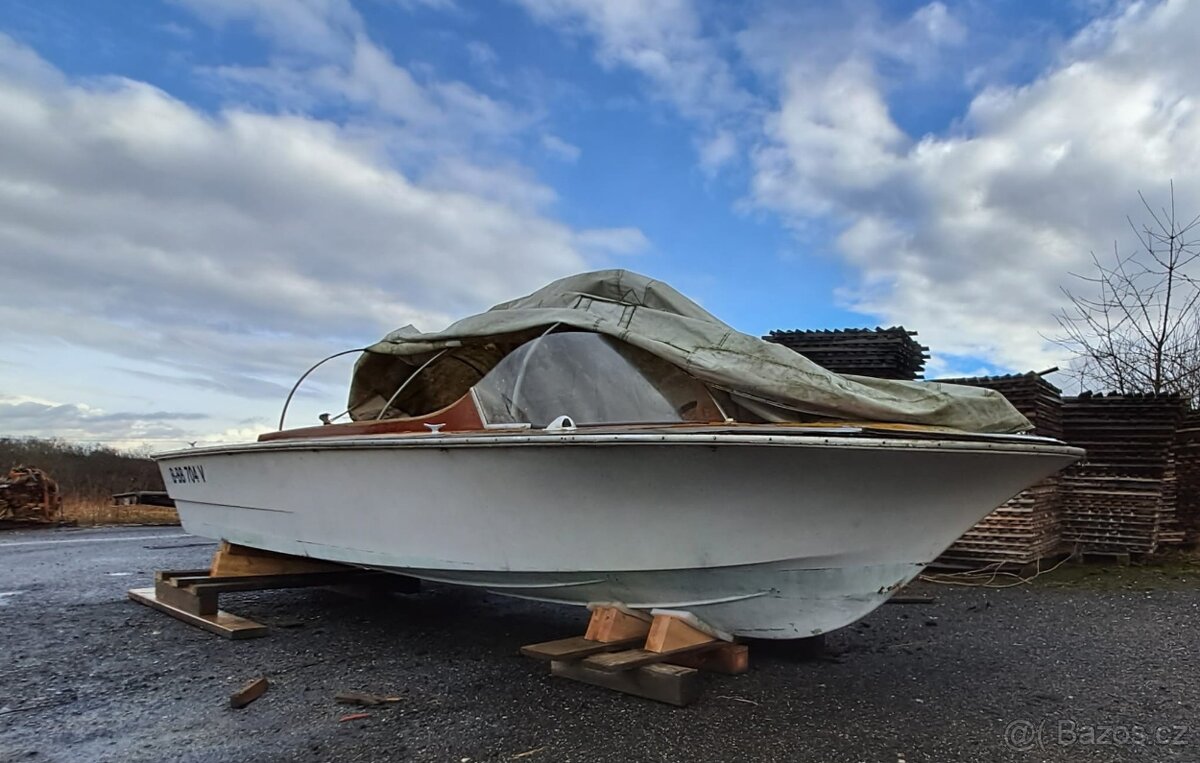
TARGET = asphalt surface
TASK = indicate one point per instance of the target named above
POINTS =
(1103, 668)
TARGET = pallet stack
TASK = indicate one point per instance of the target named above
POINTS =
(29, 495)
(1026, 528)
(1037, 399)
(1187, 475)
(889, 353)
(1121, 498)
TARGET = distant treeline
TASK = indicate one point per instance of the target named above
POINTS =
(82, 471)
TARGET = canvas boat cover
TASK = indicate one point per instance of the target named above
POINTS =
(772, 381)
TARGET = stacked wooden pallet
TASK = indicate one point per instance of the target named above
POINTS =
(1023, 530)
(1121, 498)
(1037, 399)
(889, 353)
(1026, 528)
(29, 495)
(1187, 465)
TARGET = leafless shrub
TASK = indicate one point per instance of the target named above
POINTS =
(1135, 326)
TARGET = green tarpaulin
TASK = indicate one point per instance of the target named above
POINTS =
(772, 381)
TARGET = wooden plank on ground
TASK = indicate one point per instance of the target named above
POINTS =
(671, 684)
(221, 623)
(270, 582)
(574, 648)
(615, 662)
(165, 575)
(731, 659)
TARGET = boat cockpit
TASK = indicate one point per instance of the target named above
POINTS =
(580, 377)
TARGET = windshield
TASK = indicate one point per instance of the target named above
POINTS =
(592, 378)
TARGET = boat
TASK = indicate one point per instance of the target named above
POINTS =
(606, 440)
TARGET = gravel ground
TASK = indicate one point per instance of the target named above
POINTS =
(1098, 665)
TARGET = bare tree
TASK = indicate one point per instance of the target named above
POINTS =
(1136, 325)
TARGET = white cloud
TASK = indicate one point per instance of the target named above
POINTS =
(717, 151)
(415, 119)
(965, 234)
(151, 431)
(233, 249)
(967, 237)
(830, 140)
(373, 79)
(663, 40)
(560, 149)
(817, 37)
(481, 54)
(312, 26)
(322, 58)
(938, 25)
(666, 42)
(437, 5)
(21, 416)
(614, 241)
(178, 31)
(220, 253)
(507, 183)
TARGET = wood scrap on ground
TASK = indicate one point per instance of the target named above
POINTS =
(253, 689)
(360, 698)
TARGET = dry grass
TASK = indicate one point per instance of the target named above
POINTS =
(94, 511)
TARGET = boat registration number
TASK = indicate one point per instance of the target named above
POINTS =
(182, 475)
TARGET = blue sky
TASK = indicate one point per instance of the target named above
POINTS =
(636, 164)
(257, 184)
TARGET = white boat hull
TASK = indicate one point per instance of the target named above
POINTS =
(758, 535)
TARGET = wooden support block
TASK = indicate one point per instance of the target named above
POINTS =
(164, 575)
(234, 560)
(231, 583)
(731, 659)
(615, 662)
(668, 633)
(671, 684)
(575, 648)
(609, 624)
(185, 599)
(191, 595)
(220, 623)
